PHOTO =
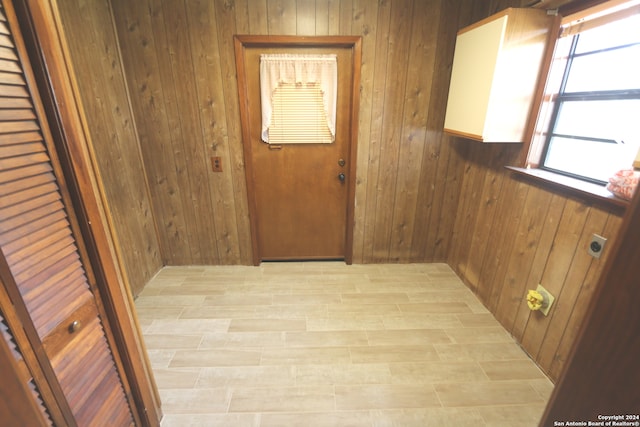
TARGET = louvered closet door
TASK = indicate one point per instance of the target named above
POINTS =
(37, 242)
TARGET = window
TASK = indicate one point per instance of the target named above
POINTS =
(298, 97)
(594, 127)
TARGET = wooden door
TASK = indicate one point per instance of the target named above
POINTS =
(300, 194)
(41, 266)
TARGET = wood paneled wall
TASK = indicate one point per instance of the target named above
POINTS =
(422, 196)
(511, 236)
(179, 62)
(96, 59)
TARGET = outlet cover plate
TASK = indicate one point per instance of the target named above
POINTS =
(596, 245)
(216, 164)
(545, 309)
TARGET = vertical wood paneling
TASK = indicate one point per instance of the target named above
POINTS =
(322, 17)
(375, 131)
(305, 18)
(504, 297)
(143, 65)
(202, 18)
(602, 375)
(505, 221)
(187, 136)
(365, 24)
(433, 219)
(391, 129)
(334, 18)
(563, 251)
(576, 275)
(242, 15)
(422, 57)
(581, 303)
(282, 17)
(176, 150)
(543, 248)
(258, 22)
(346, 19)
(96, 58)
(468, 212)
(486, 254)
(180, 63)
(226, 29)
(536, 237)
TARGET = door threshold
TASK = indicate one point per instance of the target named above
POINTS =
(280, 260)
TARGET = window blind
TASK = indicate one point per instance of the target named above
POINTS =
(598, 15)
(298, 115)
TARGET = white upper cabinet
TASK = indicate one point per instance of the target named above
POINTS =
(494, 79)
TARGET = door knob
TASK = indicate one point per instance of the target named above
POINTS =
(341, 162)
(341, 177)
(75, 326)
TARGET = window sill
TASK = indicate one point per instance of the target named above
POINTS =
(590, 192)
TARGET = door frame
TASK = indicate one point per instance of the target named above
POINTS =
(241, 42)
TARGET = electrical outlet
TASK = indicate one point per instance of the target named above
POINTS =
(216, 164)
(596, 245)
(549, 299)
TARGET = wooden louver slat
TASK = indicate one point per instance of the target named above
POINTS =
(29, 231)
(41, 207)
(16, 114)
(10, 66)
(33, 193)
(10, 78)
(5, 41)
(14, 91)
(17, 138)
(19, 248)
(9, 151)
(6, 53)
(52, 253)
(14, 103)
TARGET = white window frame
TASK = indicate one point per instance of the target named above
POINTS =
(582, 20)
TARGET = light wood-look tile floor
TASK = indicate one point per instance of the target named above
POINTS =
(326, 344)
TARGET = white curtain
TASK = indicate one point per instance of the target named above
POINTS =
(276, 69)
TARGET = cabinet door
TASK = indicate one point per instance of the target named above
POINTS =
(494, 79)
(39, 258)
(472, 78)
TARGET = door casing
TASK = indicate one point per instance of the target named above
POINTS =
(243, 42)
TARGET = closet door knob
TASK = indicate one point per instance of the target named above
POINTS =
(75, 326)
